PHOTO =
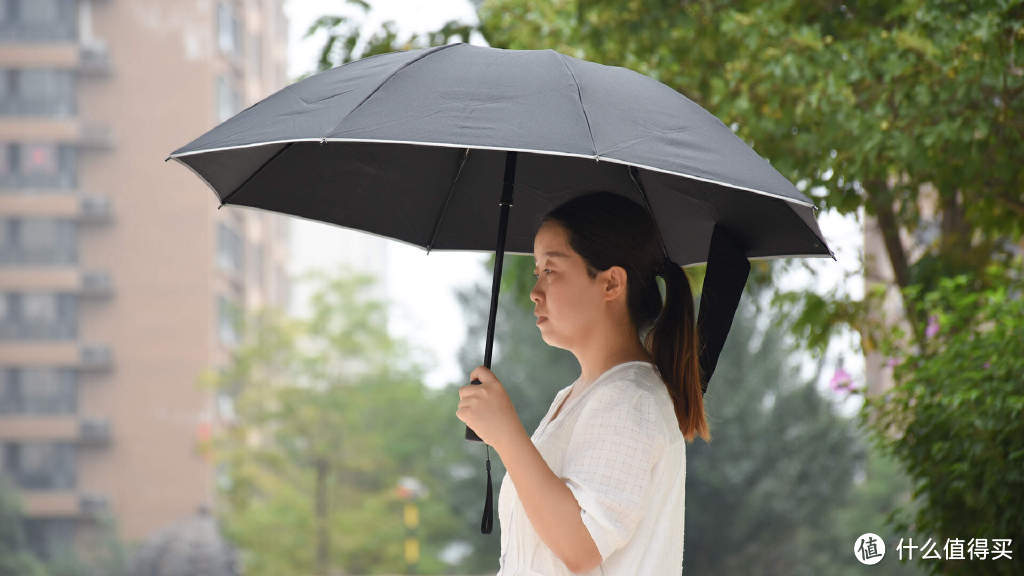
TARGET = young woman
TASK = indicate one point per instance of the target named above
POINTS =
(599, 488)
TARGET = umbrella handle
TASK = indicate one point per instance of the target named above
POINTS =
(470, 435)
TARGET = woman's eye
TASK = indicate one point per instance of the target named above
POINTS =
(545, 270)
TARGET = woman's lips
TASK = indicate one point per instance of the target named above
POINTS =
(541, 319)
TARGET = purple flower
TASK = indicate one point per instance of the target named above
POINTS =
(987, 365)
(840, 380)
(891, 361)
(933, 326)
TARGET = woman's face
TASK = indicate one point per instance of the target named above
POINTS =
(564, 298)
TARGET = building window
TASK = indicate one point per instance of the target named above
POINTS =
(49, 538)
(35, 316)
(229, 248)
(227, 98)
(6, 169)
(40, 465)
(37, 92)
(38, 236)
(38, 241)
(36, 165)
(38, 391)
(39, 308)
(40, 11)
(257, 55)
(38, 20)
(229, 317)
(226, 27)
(39, 159)
(258, 266)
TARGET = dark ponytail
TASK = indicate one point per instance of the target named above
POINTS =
(673, 343)
(608, 229)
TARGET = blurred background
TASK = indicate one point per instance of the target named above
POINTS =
(187, 390)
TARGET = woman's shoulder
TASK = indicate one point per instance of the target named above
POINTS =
(640, 390)
(637, 386)
(637, 379)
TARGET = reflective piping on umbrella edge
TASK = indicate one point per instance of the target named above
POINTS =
(200, 176)
(485, 251)
(597, 158)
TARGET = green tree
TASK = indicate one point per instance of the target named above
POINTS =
(866, 103)
(330, 414)
(957, 411)
(772, 493)
(107, 555)
(16, 559)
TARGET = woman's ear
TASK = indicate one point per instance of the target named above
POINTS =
(614, 282)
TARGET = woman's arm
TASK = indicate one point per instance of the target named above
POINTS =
(549, 504)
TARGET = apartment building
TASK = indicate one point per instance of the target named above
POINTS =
(120, 280)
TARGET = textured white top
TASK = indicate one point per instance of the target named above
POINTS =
(618, 448)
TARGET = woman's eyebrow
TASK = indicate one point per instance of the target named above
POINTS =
(555, 254)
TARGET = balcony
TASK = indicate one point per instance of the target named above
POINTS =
(70, 130)
(70, 354)
(63, 30)
(23, 330)
(50, 503)
(66, 280)
(56, 354)
(59, 428)
(62, 503)
(35, 428)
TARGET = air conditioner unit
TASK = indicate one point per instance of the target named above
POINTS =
(94, 431)
(94, 60)
(96, 357)
(95, 208)
(92, 504)
(96, 283)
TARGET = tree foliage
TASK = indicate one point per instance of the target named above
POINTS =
(861, 103)
(955, 418)
(330, 413)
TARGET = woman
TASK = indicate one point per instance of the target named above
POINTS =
(600, 486)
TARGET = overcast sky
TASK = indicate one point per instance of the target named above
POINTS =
(422, 286)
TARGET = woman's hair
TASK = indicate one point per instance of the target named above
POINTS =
(607, 230)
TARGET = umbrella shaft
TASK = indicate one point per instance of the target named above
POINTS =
(499, 257)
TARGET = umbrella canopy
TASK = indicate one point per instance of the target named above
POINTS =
(411, 146)
(420, 146)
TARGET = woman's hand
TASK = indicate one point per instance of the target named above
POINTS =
(487, 409)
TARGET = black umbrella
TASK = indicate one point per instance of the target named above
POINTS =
(417, 145)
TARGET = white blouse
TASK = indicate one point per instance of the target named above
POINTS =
(618, 448)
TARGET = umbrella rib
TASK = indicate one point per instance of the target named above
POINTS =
(579, 94)
(634, 175)
(447, 200)
(253, 175)
(389, 77)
